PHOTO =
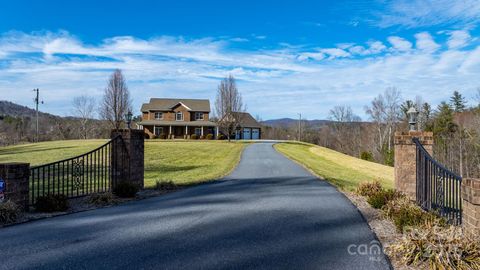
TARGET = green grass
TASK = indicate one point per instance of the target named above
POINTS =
(344, 171)
(189, 162)
(45, 152)
(183, 162)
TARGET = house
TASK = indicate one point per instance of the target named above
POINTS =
(249, 128)
(177, 118)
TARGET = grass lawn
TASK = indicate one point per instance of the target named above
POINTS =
(188, 162)
(344, 171)
(184, 162)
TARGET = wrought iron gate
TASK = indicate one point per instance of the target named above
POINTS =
(438, 188)
(92, 172)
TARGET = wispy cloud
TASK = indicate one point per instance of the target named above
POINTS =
(275, 82)
(420, 13)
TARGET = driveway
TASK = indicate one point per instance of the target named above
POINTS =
(270, 213)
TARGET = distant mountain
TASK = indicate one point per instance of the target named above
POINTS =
(8, 108)
(18, 124)
(289, 122)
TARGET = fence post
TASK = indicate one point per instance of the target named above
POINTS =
(16, 177)
(134, 142)
(405, 159)
(471, 204)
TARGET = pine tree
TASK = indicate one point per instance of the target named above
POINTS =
(458, 102)
(443, 123)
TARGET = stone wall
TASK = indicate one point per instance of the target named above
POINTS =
(405, 159)
(16, 177)
(471, 204)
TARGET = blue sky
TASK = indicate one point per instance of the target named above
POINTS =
(288, 56)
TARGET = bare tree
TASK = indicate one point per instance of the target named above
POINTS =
(229, 106)
(346, 129)
(385, 112)
(116, 100)
(83, 107)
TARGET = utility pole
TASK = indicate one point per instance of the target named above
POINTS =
(37, 101)
(299, 127)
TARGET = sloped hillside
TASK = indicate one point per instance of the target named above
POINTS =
(344, 171)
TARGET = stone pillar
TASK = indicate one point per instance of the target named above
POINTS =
(405, 159)
(16, 177)
(471, 204)
(134, 143)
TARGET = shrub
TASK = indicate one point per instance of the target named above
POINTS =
(163, 136)
(194, 137)
(367, 189)
(102, 198)
(379, 199)
(221, 137)
(152, 136)
(9, 212)
(166, 185)
(209, 137)
(438, 247)
(52, 203)
(404, 214)
(125, 190)
(365, 155)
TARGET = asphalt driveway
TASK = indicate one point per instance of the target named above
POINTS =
(270, 213)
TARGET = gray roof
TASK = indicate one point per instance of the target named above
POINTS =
(166, 104)
(248, 121)
(177, 123)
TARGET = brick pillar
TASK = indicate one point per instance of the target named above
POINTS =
(134, 142)
(16, 176)
(471, 204)
(405, 159)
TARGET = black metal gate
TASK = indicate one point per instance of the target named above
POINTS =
(438, 188)
(92, 172)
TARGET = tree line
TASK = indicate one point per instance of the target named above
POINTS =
(455, 125)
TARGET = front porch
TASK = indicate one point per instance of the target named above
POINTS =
(180, 132)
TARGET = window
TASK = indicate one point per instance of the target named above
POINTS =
(198, 131)
(158, 131)
(158, 115)
(179, 116)
(199, 116)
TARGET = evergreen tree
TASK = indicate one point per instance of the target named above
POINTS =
(405, 106)
(443, 123)
(458, 102)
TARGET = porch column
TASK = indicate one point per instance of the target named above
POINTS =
(217, 132)
(170, 132)
(201, 132)
(186, 132)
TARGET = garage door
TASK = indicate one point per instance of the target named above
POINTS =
(237, 135)
(255, 134)
(246, 134)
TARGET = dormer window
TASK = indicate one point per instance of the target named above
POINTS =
(179, 116)
(199, 116)
(158, 116)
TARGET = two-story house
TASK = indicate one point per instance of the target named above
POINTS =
(177, 118)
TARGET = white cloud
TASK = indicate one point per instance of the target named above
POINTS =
(400, 44)
(273, 82)
(458, 39)
(335, 53)
(419, 13)
(425, 42)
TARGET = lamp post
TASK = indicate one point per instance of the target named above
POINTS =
(412, 114)
(128, 117)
